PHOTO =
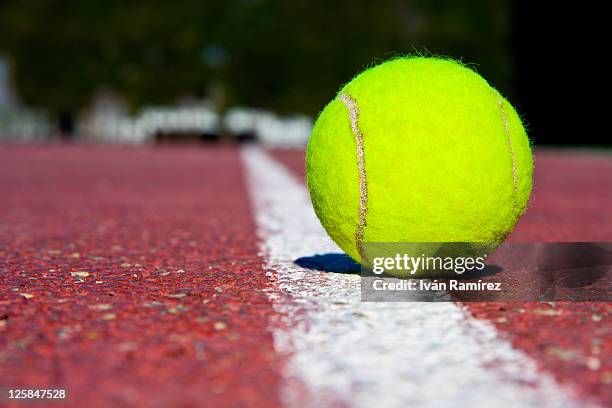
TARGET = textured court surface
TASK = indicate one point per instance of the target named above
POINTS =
(134, 277)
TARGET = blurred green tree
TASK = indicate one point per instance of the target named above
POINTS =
(286, 56)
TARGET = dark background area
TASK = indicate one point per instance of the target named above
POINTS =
(559, 71)
(292, 57)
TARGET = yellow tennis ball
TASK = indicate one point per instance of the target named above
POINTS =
(418, 150)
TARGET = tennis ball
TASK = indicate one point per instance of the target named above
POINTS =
(418, 149)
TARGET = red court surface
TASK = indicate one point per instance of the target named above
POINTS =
(132, 276)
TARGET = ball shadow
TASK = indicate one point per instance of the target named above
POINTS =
(339, 263)
(488, 270)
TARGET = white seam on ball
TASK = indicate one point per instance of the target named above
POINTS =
(353, 110)
(515, 177)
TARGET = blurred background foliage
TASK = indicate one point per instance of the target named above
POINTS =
(287, 56)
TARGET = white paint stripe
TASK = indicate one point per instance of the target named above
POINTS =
(375, 354)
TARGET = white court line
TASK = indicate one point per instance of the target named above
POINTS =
(375, 354)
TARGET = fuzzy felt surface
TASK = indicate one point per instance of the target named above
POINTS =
(446, 157)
